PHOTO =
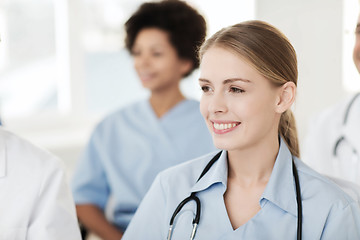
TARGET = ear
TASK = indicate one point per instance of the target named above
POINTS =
(186, 66)
(286, 97)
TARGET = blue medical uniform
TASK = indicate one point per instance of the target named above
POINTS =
(129, 148)
(328, 212)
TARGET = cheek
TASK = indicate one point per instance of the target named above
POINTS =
(136, 63)
(249, 106)
(356, 51)
(203, 106)
(167, 68)
(259, 108)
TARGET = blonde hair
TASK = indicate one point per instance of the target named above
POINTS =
(271, 54)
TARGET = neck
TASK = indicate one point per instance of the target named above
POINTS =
(253, 165)
(163, 101)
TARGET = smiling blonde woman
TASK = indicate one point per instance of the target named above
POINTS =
(256, 187)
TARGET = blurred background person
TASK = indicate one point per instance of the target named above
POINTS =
(333, 142)
(130, 146)
(36, 202)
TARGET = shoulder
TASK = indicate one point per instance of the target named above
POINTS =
(323, 130)
(22, 150)
(132, 108)
(333, 114)
(320, 188)
(328, 210)
(187, 108)
(191, 105)
(121, 115)
(23, 156)
(188, 111)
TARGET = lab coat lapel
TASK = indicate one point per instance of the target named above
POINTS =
(2, 158)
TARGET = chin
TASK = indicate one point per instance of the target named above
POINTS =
(233, 144)
(223, 144)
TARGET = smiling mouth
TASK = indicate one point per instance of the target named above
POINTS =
(224, 127)
(146, 77)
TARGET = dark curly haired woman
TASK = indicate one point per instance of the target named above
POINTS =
(129, 147)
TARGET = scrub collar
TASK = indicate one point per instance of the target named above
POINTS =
(280, 189)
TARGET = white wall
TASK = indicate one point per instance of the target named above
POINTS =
(315, 29)
(313, 26)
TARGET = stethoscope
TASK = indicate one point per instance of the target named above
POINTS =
(342, 137)
(193, 197)
(346, 160)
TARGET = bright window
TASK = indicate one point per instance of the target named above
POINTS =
(27, 57)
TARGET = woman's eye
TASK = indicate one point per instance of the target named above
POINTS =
(157, 54)
(205, 88)
(236, 90)
(135, 53)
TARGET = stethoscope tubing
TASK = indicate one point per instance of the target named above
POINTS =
(346, 116)
(347, 112)
(192, 197)
(298, 200)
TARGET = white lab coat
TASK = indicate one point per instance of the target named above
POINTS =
(35, 200)
(323, 133)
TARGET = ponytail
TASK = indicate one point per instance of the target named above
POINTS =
(287, 130)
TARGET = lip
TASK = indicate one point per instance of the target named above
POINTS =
(223, 131)
(146, 77)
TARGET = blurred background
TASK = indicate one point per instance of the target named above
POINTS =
(63, 65)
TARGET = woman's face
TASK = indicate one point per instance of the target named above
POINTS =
(238, 104)
(356, 52)
(156, 60)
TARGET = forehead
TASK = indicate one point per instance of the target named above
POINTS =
(152, 36)
(220, 63)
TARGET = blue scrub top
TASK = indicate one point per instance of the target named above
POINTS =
(129, 148)
(328, 212)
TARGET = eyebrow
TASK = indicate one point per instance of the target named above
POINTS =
(227, 81)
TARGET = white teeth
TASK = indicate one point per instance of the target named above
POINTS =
(222, 126)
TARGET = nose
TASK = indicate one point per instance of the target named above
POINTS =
(141, 61)
(217, 103)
